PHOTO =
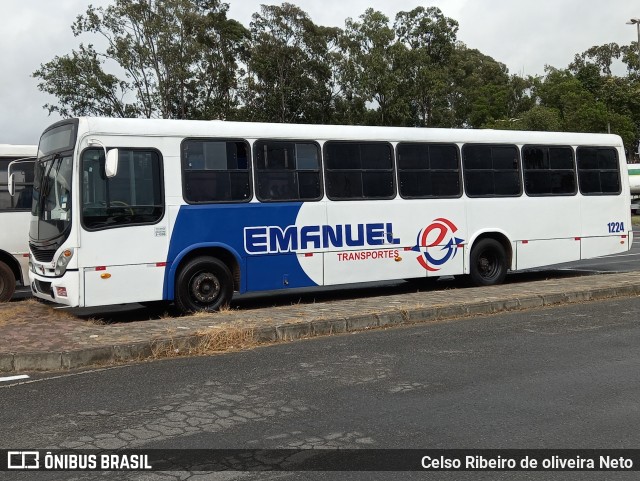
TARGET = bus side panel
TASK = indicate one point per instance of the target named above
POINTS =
(124, 284)
(423, 237)
(603, 246)
(123, 264)
(553, 251)
(606, 222)
(543, 230)
(281, 271)
(246, 229)
(14, 238)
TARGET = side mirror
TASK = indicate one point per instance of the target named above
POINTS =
(111, 163)
(11, 175)
(11, 187)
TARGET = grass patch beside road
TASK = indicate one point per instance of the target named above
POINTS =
(26, 311)
(224, 338)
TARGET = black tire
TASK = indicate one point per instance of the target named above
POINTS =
(203, 284)
(488, 263)
(7, 282)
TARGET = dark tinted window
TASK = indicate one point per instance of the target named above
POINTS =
(598, 170)
(287, 171)
(215, 171)
(133, 196)
(23, 182)
(491, 170)
(359, 170)
(428, 170)
(58, 138)
(548, 170)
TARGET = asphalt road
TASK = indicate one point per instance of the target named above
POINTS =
(564, 377)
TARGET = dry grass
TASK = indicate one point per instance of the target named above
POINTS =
(207, 341)
(25, 311)
(223, 311)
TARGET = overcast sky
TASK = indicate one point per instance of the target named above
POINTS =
(525, 35)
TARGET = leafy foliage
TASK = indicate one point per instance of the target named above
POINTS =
(171, 59)
(186, 59)
(289, 78)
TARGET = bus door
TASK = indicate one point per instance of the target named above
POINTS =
(124, 236)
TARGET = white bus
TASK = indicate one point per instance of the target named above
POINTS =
(15, 216)
(634, 178)
(131, 210)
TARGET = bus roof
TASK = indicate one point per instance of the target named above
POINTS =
(256, 130)
(11, 150)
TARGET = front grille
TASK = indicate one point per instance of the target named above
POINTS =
(42, 255)
(44, 287)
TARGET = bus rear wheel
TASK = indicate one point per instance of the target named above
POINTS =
(488, 263)
(7, 282)
(203, 284)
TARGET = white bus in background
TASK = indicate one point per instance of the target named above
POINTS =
(634, 186)
(15, 215)
(137, 210)
(634, 178)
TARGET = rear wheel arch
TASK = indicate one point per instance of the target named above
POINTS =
(13, 264)
(490, 257)
(7, 282)
(228, 257)
(205, 279)
(203, 283)
(500, 237)
(10, 275)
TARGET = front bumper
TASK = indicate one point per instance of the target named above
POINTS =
(62, 290)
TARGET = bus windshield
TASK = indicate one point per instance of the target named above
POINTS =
(51, 208)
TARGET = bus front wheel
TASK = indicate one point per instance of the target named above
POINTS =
(203, 284)
(488, 263)
(7, 282)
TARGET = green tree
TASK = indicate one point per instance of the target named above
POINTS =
(481, 88)
(82, 87)
(289, 70)
(168, 59)
(601, 56)
(429, 40)
(537, 118)
(576, 105)
(370, 71)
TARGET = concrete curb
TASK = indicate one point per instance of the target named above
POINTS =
(185, 345)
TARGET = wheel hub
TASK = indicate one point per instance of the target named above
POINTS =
(487, 266)
(205, 287)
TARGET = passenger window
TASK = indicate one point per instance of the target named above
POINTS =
(215, 171)
(359, 170)
(548, 170)
(491, 170)
(287, 171)
(428, 170)
(598, 171)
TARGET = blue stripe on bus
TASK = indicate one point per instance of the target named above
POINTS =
(222, 225)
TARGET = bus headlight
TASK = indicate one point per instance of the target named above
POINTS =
(63, 261)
